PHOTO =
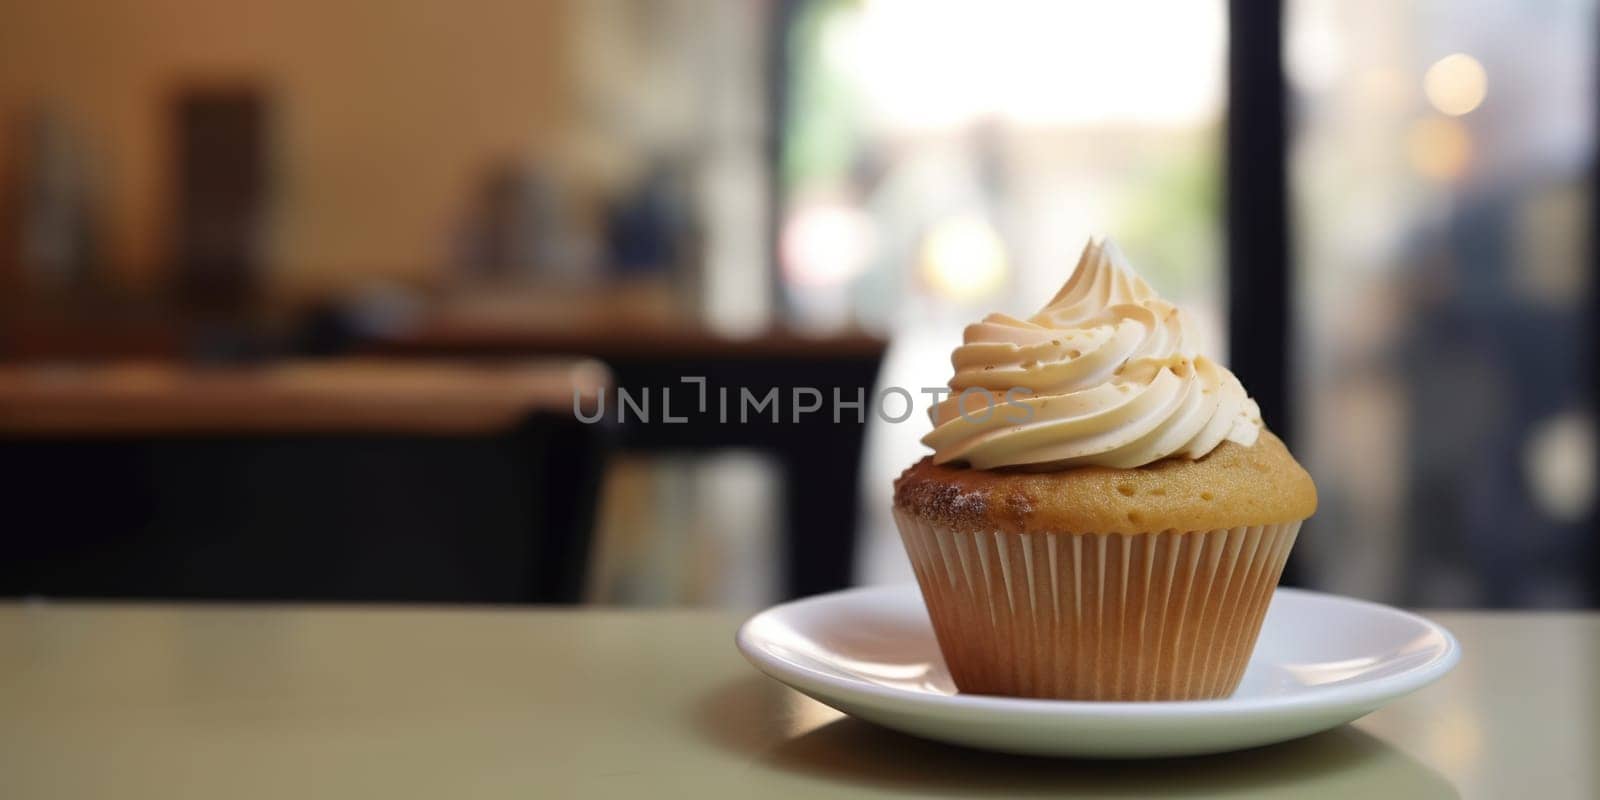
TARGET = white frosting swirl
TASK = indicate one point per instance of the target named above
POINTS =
(1105, 374)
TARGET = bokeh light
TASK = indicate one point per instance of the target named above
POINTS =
(1558, 462)
(964, 259)
(1439, 148)
(1456, 84)
(826, 245)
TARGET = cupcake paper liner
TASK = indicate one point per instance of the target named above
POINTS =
(1085, 616)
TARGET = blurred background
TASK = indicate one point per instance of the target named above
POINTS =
(295, 297)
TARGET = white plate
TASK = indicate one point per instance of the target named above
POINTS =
(1321, 661)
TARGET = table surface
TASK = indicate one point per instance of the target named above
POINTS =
(337, 396)
(205, 702)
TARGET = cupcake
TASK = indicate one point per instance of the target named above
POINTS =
(1104, 516)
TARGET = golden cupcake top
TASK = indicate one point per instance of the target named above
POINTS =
(1106, 374)
(1233, 486)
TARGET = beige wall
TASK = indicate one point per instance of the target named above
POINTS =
(387, 111)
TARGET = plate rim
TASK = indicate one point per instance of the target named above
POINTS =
(1372, 693)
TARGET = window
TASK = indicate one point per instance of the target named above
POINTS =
(1440, 176)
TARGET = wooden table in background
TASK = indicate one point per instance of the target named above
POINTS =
(171, 702)
(371, 396)
(326, 480)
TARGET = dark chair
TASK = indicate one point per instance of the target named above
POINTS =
(339, 481)
(820, 458)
